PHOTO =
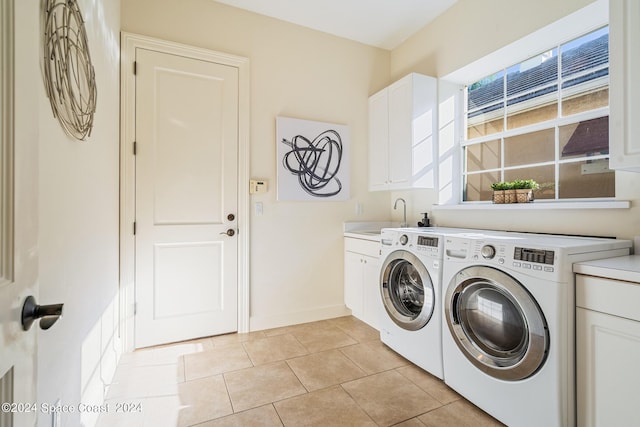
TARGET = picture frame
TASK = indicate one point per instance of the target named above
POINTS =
(313, 160)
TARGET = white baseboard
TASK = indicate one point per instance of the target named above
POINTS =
(257, 323)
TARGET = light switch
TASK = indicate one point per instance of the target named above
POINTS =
(259, 209)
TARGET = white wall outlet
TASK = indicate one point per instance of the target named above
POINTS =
(259, 209)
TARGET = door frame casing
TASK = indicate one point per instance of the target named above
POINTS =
(129, 43)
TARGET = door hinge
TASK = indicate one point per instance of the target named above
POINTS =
(135, 68)
(135, 148)
(134, 228)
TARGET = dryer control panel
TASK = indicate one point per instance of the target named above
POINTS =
(421, 244)
(539, 256)
(429, 241)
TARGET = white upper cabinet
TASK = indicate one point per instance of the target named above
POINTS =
(403, 134)
(624, 91)
(379, 141)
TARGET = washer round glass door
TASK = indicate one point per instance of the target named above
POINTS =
(496, 323)
(407, 291)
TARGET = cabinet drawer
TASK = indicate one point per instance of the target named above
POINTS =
(361, 246)
(608, 296)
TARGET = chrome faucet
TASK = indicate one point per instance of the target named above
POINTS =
(404, 211)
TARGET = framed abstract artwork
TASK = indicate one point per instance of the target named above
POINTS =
(313, 160)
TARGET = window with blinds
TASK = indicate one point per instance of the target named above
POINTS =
(546, 119)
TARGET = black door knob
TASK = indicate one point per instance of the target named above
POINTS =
(49, 314)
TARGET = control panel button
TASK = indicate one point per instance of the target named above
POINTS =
(404, 239)
(488, 252)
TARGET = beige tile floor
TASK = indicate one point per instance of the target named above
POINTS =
(329, 373)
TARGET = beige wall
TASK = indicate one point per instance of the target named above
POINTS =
(468, 31)
(471, 29)
(296, 247)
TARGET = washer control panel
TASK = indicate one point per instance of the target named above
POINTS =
(495, 251)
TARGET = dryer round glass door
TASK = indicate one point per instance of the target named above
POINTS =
(496, 323)
(407, 291)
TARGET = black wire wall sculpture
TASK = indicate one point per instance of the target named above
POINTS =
(313, 160)
(316, 163)
(69, 76)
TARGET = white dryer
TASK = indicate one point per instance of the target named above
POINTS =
(410, 288)
(508, 323)
(410, 291)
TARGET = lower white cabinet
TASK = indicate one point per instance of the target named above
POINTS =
(361, 279)
(607, 352)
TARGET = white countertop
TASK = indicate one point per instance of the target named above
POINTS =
(367, 230)
(372, 236)
(625, 268)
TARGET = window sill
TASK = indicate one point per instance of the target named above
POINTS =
(537, 205)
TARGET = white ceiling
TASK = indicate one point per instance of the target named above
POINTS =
(381, 23)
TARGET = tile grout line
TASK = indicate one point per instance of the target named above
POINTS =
(226, 386)
(356, 402)
(246, 352)
(296, 375)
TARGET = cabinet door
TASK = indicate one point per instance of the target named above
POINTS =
(608, 351)
(353, 283)
(378, 141)
(624, 92)
(400, 134)
(372, 301)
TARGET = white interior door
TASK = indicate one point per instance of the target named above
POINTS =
(186, 198)
(18, 210)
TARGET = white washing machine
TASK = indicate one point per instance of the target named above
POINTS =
(410, 288)
(508, 322)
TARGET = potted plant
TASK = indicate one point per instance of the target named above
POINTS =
(498, 191)
(524, 189)
(509, 192)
